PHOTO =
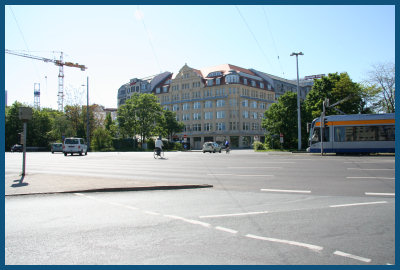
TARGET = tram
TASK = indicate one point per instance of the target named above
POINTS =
(358, 133)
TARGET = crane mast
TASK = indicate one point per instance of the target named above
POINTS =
(60, 63)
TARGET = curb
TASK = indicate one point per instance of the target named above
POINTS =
(144, 188)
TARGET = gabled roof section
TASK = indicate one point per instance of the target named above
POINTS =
(225, 69)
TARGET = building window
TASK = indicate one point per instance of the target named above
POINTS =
(233, 125)
(217, 81)
(253, 83)
(220, 114)
(254, 104)
(165, 89)
(207, 127)
(255, 126)
(245, 103)
(208, 115)
(158, 90)
(197, 105)
(233, 102)
(254, 115)
(196, 127)
(233, 114)
(175, 107)
(245, 114)
(220, 103)
(186, 117)
(208, 104)
(262, 105)
(269, 87)
(210, 82)
(220, 126)
(232, 79)
(245, 81)
(261, 85)
(246, 126)
(196, 116)
(185, 106)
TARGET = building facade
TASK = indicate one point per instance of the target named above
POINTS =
(224, 102)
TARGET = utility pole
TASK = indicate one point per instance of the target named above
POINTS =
(87, 115)
(298, 102)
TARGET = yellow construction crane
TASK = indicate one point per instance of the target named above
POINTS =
(60, 63)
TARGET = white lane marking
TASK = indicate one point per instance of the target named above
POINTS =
(294, 243)
(370, 162)
(360, 169)
(236, 214)
(369, 177)
(379, 194)
(254, 167)
(151, 213)
(356, 204)
(347, 255)
(226, 230)
(242, 175)
(255, 175)
(192, 221)
(286, 190)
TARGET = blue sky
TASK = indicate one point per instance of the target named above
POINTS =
(118, 43)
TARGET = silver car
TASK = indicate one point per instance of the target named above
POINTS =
(211, 147)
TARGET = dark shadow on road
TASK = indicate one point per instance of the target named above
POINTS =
(20, 182)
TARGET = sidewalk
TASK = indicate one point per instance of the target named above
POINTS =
(52, 183)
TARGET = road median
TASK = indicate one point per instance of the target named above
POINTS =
(40, 183)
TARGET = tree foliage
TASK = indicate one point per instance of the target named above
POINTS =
(281, 118)
(381, 85)
(335, 87)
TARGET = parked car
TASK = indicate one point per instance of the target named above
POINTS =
(74, 145)
(56, 147)
(211, 147)
(16, 148)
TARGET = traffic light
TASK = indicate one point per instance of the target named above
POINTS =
(325, 122)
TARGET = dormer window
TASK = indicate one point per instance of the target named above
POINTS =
(253, 83)
(217, 81)
(210, 82)
(245, 81)
(158, 90)
(232, 79)
(261, 85)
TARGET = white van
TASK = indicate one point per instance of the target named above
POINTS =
(74, 145)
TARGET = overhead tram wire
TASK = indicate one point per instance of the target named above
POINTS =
(273, 41)
(23, 38)
(151, 43)
(251, 32)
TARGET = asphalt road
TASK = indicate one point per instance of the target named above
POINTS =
(264, 208)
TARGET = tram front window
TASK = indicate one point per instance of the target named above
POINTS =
(316, 137)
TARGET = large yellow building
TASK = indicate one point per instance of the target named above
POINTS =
(218, 103)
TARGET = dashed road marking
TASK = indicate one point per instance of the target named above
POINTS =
(379, 194)
(360, 169)
(286, 190)
(357, 204)
(369, 177)
(235, 214)
(294, 243)
(226, 230)
(351, 256)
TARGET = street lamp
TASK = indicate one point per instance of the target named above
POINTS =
(87, 114)
(298, 102)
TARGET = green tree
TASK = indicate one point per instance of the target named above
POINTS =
(141, 115)
(13, 125)
(335, 87)
(382, 86)
(110, 125)
(171, 125)
(101, 139)
(281, 118)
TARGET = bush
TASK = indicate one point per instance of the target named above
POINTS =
(102, 139)
(259, 146)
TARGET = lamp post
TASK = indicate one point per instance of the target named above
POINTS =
(87, 114)
(298, 102)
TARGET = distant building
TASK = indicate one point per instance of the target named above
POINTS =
(219, 103)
